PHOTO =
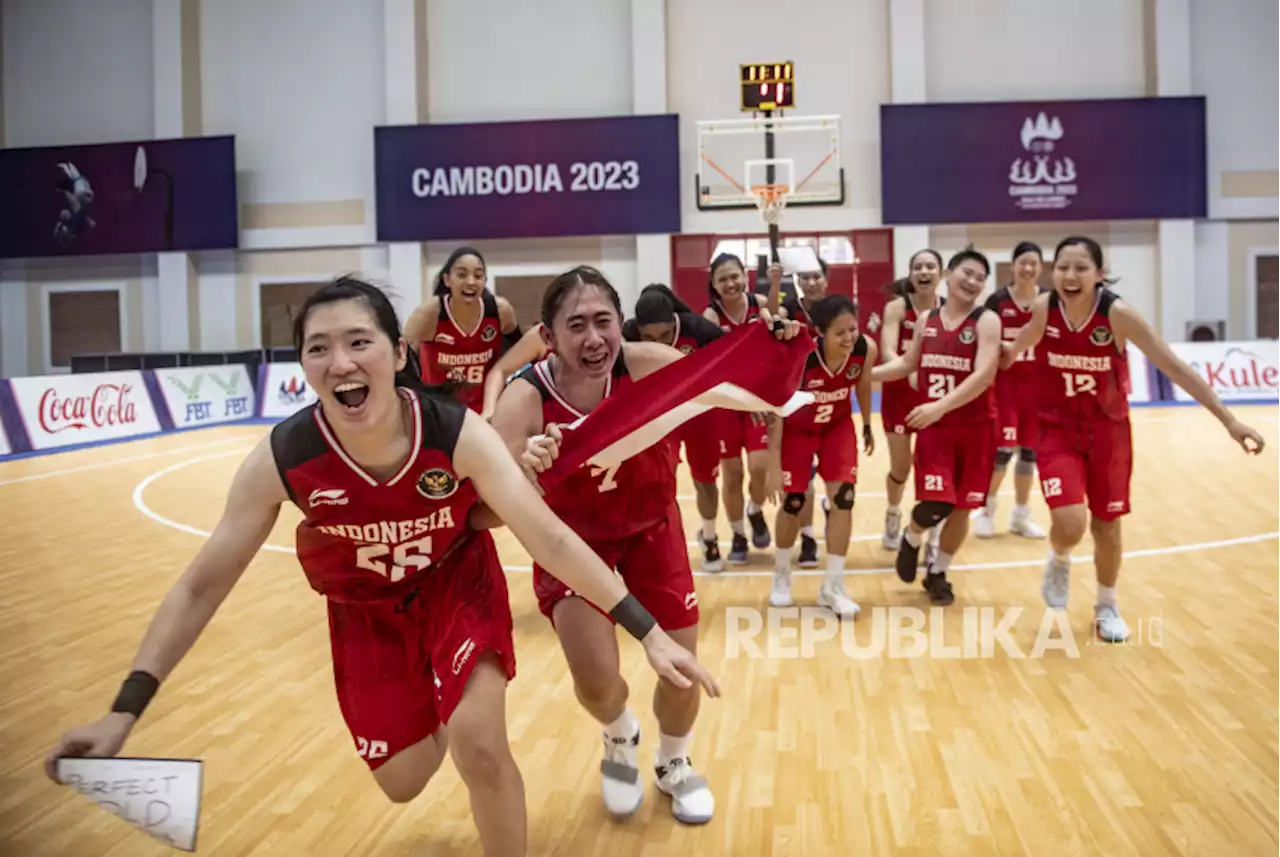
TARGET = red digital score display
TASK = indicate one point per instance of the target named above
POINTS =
(767, 86)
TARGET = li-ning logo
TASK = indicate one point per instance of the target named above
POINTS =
(328, 497)
(1037, 182)
(463, 653)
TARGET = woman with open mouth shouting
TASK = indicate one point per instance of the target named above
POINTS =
(386, 473)
(461, 331)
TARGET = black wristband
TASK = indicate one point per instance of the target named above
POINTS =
(633, 618)
(136, 693)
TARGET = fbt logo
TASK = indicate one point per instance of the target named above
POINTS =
(201, 408)
(371, 749)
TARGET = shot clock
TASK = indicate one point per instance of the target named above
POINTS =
(768, 86)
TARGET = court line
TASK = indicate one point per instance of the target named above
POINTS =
(34, 476)
(141, 505)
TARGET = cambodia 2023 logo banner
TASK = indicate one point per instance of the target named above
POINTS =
(142, 197)
(607, 176)
(1120, 159)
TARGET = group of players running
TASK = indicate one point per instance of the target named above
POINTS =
(399, 482)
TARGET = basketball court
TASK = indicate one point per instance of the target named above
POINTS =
(946, 740)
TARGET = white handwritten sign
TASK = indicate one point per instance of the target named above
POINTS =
(161, 797)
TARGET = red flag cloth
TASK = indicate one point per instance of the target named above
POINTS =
(748, 370)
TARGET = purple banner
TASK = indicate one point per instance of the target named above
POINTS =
(609, 176)
(141, 197)
(1006, 162)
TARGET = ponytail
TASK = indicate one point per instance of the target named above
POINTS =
(657, 305)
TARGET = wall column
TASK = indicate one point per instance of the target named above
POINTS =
(401, 22)
(1176, 245)
(908, 69)
(648, 96)
(176, 274)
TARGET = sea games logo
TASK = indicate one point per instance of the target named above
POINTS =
(108, 405)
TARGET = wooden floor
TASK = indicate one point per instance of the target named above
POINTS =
(1165, 746)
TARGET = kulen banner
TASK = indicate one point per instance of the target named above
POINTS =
(608, 176)
(1005, 162)
(142, 197)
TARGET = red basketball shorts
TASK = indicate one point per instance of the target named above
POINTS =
(1091, 460)
(700, 437)
(401, 669)
(738, 431)
(896, 401)
(1018, 415)
(836, 449)
(654, 564)
(953, 463)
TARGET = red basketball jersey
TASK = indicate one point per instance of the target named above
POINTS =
(1083, 376)
(832, 390)
(364, 539)
(796, 311)
(463, 356)
(611, 503)
(947, 358)
(692, 332)
(727, 323)
(1021, 375)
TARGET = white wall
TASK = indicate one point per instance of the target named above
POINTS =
(840, 51)
(300, 83)
(76, 71)
(1006, 50)
(1212, 271)
(1233, 64)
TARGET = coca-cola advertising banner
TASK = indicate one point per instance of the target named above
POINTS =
(142, 197)
(1013, 161)
(204, 395)
(63, 410)
(1237, 371)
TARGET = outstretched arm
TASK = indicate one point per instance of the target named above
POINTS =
(864, 390)
(904, 364)
(528, 349)
(421, 326)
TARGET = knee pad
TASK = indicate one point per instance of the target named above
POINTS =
(793, 503)
(843, 498)
(1003, 457)
(929, 513)
(1026, 461)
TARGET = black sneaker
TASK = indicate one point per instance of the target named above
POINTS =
(738, 552)
(808, 552)
(711, 556)
(759, 530)
(908, 560)
(939, 589)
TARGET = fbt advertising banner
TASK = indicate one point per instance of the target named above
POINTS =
(62, 410)
(609, 176)
(1008, 162)
(1237, 371)
(203, 395)
(285, 390)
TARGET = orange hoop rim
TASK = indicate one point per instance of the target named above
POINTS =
(766, 194)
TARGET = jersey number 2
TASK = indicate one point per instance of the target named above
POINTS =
(823, 413)
(415, 555)
(608, 483)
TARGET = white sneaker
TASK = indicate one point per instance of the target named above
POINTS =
(834, 598)
(1022, 525)
(780, 596)
(892, 529)
(1109, 625)
(984, 524)
(1056, 585)
(691, 798)
(620, 784)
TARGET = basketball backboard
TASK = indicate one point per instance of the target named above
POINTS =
(801, 152)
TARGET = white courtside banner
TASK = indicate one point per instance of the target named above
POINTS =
(1139, 375)
(285, 390)
(61, 410)
(1236, 371)
(160, 797)
(204, 395)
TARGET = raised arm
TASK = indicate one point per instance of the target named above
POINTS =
(897, 368)
(479, 456)
(528, 349)
(421, 326)
(252, 506)
(1130, 326)
(891, 329)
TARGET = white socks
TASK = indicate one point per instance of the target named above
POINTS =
(624, 727)
(1062, 559)
(807, 532)
(835, 569)
(672, 747)
(911, 537)
(739, 527)
(752, 508)
(708, 530)
(941, 564)
(1106, 596)
(783, 557)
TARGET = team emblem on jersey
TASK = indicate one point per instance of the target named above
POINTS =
(967, 335)
(686, 349)
(1100, 336)
(854, 371)
(437, 483)
(489, 333)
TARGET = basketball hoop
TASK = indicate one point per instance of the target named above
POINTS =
(771, 199)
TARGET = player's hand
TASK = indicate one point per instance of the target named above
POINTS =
(540, 452)
(775, 274)
(923, 416)
(676, 664)
(1249, 439)
(782, 328)
(101, 738)
(773, 482)
(868, 440)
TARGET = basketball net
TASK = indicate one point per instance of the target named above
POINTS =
(771, 199)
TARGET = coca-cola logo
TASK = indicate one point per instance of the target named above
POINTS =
(108, 405)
